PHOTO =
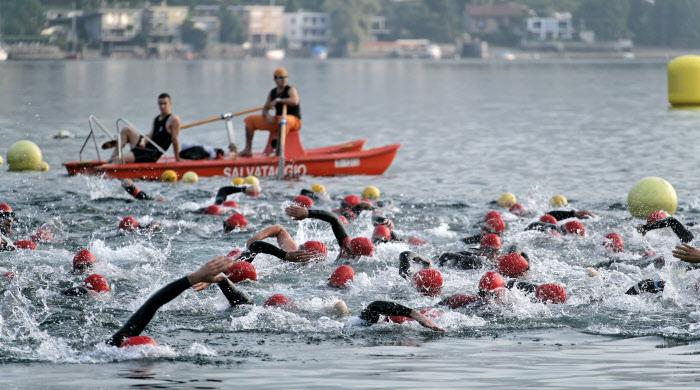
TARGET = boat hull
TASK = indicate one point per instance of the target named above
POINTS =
(356, 162)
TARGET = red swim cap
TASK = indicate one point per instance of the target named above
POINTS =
(547, 218)
(551, 293)
(236, 221)
(381, 234)
(399, 319)
(495, 225)
(614, 242)
(129, 223)
(315, 247)
(213, 209)
(242, 270)
(575, 227)
(428, 281)
(278, 300)
(341, 276)
(25, 244)
(97, 283)
(417, 241)
(43, 234)
(5, 208)
(518, 209)
(83, 259)
(492, 214)
(234, 253)
(361, 246)
(492, 241)
(343, 220)
(136, 341)
(352, 200)
(512, 264)
(458, 300)
(304, 201)
(491, 281)
(230, 203)
(657, 215)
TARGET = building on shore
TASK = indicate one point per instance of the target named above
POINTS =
(113, 29)
(556, 27)
(496, 18)
(264, 26)
(305, 31)
(206, 18)
(161, 28)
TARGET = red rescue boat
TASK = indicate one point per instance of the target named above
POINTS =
(336, 160)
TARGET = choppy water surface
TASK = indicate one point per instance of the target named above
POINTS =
(469, 131)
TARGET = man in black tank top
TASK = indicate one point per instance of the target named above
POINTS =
(165, 131)
(282, 94)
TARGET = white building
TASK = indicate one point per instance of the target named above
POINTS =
(304, 30)
(556, 27)
(206, 18)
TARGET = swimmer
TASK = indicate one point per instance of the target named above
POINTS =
(288, 249)
(225, 191)
(676, 226)
(7, 219)
(489, 249)
(350, 248)
(136, 192)
(92, 285)
(210, 272)
(492, 224)
(131, 224)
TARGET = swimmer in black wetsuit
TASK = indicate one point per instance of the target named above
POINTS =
(288, 249)
(134, 191)
(373, 312)
(349, 248)
(560, 215)
(211, 272)
(681, 231)
(224, 192)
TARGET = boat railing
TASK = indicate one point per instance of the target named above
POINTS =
(129, 125)
(93, 122)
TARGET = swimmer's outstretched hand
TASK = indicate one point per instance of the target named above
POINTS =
(300, 256)
(297, 212)
(584, 214)
(211, 272)
(687, 253)
(425, 321)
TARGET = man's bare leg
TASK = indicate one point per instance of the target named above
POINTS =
(248, 151)
(127, 136)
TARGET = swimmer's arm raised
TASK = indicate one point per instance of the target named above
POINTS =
(226, 191)
(210, 272)
(291, 256)
(408, 257)
(298, 213)
(234, 296)
(681, 231)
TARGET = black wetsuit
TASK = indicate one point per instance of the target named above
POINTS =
(681, 231)
(562, 214)
(161, 137)
(137, 193)
(463, 260)
(352, 212)
(408, 257)
(647, 286)
(545, 227)
(372, 313)
(224, 192)
(338, 230)
(522, 286)
(257, 247)
(75, 291)
(284, 94)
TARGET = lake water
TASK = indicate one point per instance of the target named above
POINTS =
(469, 130)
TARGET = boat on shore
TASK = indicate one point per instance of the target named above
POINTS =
(348, 158)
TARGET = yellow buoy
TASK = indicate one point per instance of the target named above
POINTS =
(651, 194)
(558, 200)
(24, 156)
(238, 181)
(684, 81)
(371, 192)
(44, 166)
(190, 177)
(252, 180)
(318, 188)
(168, 176)
(507, 199)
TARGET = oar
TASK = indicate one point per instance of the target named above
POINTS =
(280, 143)
(220, 117)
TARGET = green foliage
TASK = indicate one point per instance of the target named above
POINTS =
(21, 17)
(232, 30)
(608, 19)
(350, 21)
(437, 20)
(193, 36)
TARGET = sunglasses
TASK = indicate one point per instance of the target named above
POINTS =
(280, 77)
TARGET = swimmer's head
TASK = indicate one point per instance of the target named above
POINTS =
(491, 282)
(513, 265)
(129, 224)
(551, 293)
(575, 227)
(304, 201)
(213, 209)
(614, 243)
(428, 281)
(317, 248)
(138, 341)
(97, 283)
(25, 244)
(658, 215)
(547, 218)
(242, 270)
(490, 241)
(7, 217)
(83, 261)
(518, 209)
(492, 214)
(350, 201)
(361, 246)
(381, 234)
(494, 225)
(279, 300)
(341, 276)
(235, 221)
